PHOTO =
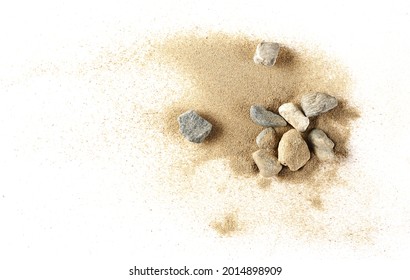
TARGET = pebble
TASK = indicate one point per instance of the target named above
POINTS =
(267, 163)
(293, 150)
(266, 53)
(267, 139)
(294, 116)
(314, 104)
(263, 117)
(193, 127)
(322, 145)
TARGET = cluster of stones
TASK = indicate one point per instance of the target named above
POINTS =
(292, 149)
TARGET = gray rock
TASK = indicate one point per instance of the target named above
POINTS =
(193, 127)
(266, 53)
(267, 163)
(294, 116)
(314, 104)
(293, 150)
(263, 117)
(267, 139)
(322, 145)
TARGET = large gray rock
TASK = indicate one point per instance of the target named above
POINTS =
(294, 116)
(267, 139)
(322, 145)
(314, 104)
(293, 151)
(266, 53)
(263, 117)
(193, 127)
(267, 163)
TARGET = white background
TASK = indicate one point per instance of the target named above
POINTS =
(79, 193)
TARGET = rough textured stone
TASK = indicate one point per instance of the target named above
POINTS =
(314, 104)
(263, 117)
(267, 139)
(193, 127)
(293, 150)
(322, 145)
(267, 163)
(294, 116)
(266, 53)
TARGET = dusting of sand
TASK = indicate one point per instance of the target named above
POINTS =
(221, 83)
(227, 226)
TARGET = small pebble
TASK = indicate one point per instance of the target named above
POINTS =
(322, 145)
(294, 116)
(193, 127)
(263, 117)
(293, 150)
(314, 104)
(266, 53)
(267, 163)
(267, 139)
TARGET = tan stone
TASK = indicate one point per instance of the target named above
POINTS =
(267, 163)
(267, 139)
(293, 150)
(294, 116)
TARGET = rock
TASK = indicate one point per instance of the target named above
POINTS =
(322, 145)
(314, 104)
(267, 139)
(193, 127)
(294, 116)
(266, 53)
(263, 117)
(267, 163)
(293, 150)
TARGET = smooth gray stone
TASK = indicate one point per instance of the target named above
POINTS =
(193, 127)
(321, 144)
(267, 163)
(266, 53)
(314, 104)
(263, 117)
